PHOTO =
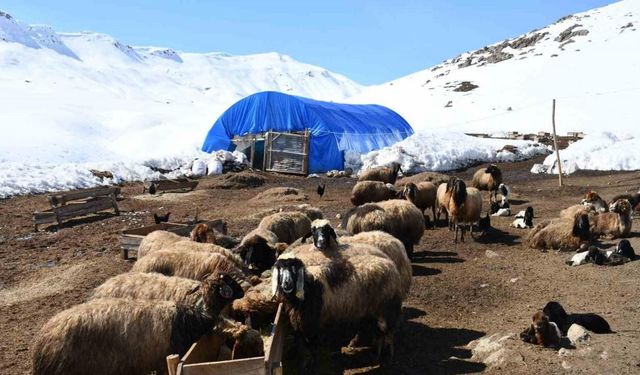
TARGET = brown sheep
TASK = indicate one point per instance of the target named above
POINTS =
(313, 213)
(205, 233)
(123, 336)
(257, 306)
(561, 234)
(422, 194)
(372, 191)
(593, 199)
(489, 179)
(388, 175)
(189, 246)
(577, 210)
(157, 240)
(259, 249)
(614, 224)
(465, 206)
(151, 286)
(542, 332)
(287, 226)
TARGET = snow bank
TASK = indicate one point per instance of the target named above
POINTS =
(26, 178)
(599, 151)
(444, 151)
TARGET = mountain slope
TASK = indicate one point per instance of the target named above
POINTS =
(588, 61)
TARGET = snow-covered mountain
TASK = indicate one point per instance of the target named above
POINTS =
(589, 61)
(79, 97)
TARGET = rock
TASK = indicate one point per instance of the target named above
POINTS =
(564, 352)
(578, 334)
(494, 350)
(514, 279)
(565, 365)
(491, 254)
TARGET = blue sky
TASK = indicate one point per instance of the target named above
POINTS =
(370, 41)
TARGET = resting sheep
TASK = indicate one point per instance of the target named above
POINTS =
(465, 206)
(422, 195)
(542, 332)
(561, 234)
(489, 179)
(364, 286)
(524, 219)
(593, 199)
(397, 217)
(577, 210)
(614, 224)
(372, 191)
(593, 322)
(124, 336)
(388, 175)
(287, 226)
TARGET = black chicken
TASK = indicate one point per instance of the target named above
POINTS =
(161, 218)
(320, 190)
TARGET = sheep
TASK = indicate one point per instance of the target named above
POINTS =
(313, 213)
(257, 307)
(577, 210)
(247, 342)
(157, 240)
(388, 175)
(423, 195)
(614, 224)
(524, 219)
(561, 234)
(151, 286)
(465, 206)
(259, 249)
(188, 264)
(624, 249)
(100, 336)
(593, 199)
(593, 322)
(542, 331)
(400, 218)
(372, 191)
(361, 287)
(204, 233)
(488, 178)
(287, 226)
(634, 200)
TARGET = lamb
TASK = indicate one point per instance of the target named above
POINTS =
(372, 191)
(524, 219)
(593, 322)
(259, 249)
(189, 264)
(365, 286)
(423, 195)
(542, 331)
(465, 206)
(614, 224)
(287, 226)
(98, 337)
(561, 234)
(593, 199)
(397, 217)
(624, 249)
(488, 178)
(388, 175)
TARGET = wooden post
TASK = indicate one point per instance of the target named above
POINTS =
(172, 363)
(555, 142)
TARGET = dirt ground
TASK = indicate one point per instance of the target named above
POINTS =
(459, 294)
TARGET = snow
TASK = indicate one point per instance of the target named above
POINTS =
(444, 151)
(598, 151)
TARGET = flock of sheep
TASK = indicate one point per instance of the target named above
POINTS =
(358, 273)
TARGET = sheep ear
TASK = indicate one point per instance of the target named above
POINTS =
(300, 284)
(306, 237)
(333, 234)
(275, 275)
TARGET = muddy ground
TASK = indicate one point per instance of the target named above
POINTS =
(459, 293)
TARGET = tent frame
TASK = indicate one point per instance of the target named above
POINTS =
(270, 151)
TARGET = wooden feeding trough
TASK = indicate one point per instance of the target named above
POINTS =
(200, 359)
(65, 206)
(177, 185)
(130, 239)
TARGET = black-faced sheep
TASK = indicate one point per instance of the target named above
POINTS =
(388, 175)
(634, 200)
(489, 179)
(102, 335)
(353, 289)
(399, 218)
(624, 249)
(259, 249)
(465, 206)
(542, 332)
(561, 234)
(372, 191)
(524, 219)
(287, 226)
(422, 194)
(593, 322)
(614, 224)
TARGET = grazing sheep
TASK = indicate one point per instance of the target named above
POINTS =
(259, 249)
(577, 210)
(422, 194)
(397, 217)
(124, 336)
(489, 179)
(188, 264)
(151, 286)
(561, 234)
(157, 240)
(593, 199)
(364, 286)
(388, 175)
(257, 307)
(542, 332)
(204, 233)
(287, 226)
(614, 224)
(372, 191)
(524, 219)
(465, 206)
(593, 322)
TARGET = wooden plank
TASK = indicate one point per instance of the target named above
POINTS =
(173, 361)
(204, 350)
(169, 185)
(143, 231)
(273, 357)
(63, 198)
(80, 209)
(248, 366)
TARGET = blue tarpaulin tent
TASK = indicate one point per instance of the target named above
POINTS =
(334, 128)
